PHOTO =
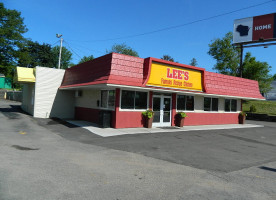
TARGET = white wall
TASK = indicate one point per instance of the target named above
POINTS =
(49, 101)
(28, 98)
(88, 99)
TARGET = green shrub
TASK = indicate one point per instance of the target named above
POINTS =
(148, 113)
(252, 108)
(182, 114)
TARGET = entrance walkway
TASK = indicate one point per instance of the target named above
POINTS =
(108, 132)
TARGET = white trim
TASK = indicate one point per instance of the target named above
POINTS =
(132, 110)
(156, 89)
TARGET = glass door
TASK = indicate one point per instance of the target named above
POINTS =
(162, 111)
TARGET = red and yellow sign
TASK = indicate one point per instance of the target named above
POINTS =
(174, 77)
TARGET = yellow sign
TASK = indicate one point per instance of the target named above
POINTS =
(163, 75)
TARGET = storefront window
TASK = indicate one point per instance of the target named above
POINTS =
(210, 104)
(134, 100)
(107, 98)
(185, 102)
(141, 100)
(230, 105)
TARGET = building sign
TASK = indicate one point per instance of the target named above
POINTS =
(163, 75)
(253, 29)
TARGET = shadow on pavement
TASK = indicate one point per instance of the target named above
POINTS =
(13, 112)
(268, 168)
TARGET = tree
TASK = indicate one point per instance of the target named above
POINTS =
(33, 54)
(66, 57)
(259, 71)
(11, 38)
(167, 57)
(228, 59)
(193, 62)
(123, 49)
(274, 77)
(86, 58)
(226, 54)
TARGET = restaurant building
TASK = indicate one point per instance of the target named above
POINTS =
(125, 86)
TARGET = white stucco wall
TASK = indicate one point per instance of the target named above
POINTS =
(88, 99)
(49, 101)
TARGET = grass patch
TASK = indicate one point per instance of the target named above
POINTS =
(263, 107)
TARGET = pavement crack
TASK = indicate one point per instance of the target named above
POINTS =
(248, 140)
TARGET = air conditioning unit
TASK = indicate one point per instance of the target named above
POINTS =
(78, 93)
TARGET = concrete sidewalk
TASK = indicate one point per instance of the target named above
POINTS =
(108, 132)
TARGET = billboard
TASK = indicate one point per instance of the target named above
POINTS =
(254, 29)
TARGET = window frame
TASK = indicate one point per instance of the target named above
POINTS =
(107, 102)
(211, 104)
(185, 103)
(133, 109)
(230, 110)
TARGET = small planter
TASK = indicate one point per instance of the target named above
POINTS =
(242, 117)
(148, 122)
(180, 121)
(148, 118)
(180, 118)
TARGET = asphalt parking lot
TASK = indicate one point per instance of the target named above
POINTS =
(51, 159)
(214, 150)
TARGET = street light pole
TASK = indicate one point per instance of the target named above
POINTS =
(60, 49)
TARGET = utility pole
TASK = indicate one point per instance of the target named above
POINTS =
(60, 49)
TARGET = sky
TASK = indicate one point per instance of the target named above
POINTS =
(91, 27)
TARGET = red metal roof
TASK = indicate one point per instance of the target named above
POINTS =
(231, 86)
(112, 68)
(121, 69)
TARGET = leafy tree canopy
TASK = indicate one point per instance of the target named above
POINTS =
(66, 57)
(167, 57)
(86, 58)
(259, 71)
(193, 62)
(226, 54)
(123, 49)
(11, 38)
(33, 54)
(228, 61)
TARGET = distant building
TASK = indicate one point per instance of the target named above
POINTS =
(5, 83)
(271, 95)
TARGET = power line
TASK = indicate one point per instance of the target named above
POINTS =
(88, 48)
(55, 43)
(71, 49)
(180, 25)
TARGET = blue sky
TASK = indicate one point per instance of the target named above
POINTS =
(87, 26)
